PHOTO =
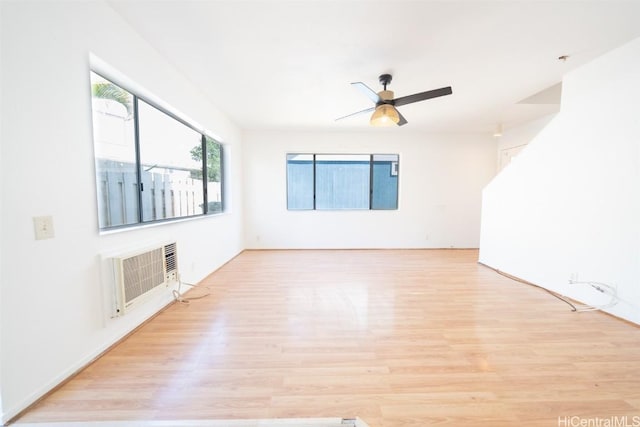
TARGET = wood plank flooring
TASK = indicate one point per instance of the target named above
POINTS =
(282, 422)
(399, 338)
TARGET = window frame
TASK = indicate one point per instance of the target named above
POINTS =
(204, 135)
(394, 172)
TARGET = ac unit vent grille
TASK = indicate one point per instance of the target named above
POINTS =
(142, 273)
(171, 257)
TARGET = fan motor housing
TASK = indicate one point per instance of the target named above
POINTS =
(386, 95)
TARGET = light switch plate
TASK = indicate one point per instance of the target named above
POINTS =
(43, 227)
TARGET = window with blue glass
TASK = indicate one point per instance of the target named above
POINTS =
(342, 181)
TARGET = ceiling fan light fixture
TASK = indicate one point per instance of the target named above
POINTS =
(384, 115)
(385, 112)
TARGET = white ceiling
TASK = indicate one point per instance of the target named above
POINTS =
(273, 64)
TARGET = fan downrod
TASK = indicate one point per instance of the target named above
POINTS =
(385, 79)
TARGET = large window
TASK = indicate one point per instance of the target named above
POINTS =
(150, 165)
(342, 181)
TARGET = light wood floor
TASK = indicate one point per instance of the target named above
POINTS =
(280, 422)
(398, 338)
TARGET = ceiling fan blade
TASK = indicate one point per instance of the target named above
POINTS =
(422, 96)
(368, 110)
(367, 91)
(402, 121)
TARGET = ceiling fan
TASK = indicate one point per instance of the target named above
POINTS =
(385, 112)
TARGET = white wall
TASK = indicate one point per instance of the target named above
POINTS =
(441, 178)
(570, 203)
(513, 141)
(523, 134)
(51, 297)
(1, 215)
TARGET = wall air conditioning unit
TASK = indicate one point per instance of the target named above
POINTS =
(140, 274)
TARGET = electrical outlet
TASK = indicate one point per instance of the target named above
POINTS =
(43, 226)
(573, 278)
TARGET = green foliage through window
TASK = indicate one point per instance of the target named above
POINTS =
(213, 159)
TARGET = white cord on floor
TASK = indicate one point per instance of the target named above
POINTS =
(182, 300)
(602, 288)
